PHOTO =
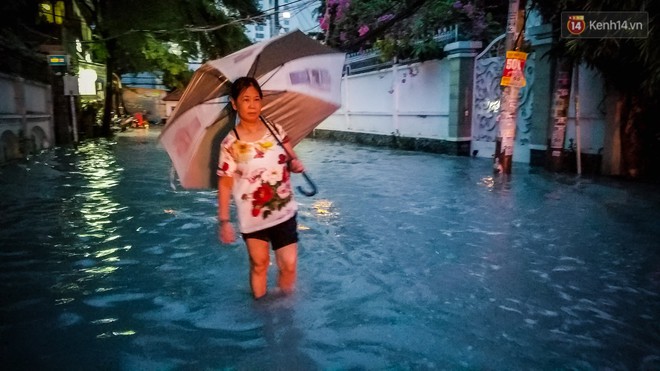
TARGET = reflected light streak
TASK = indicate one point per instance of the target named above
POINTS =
(104, 289)
(98, 166)
(103, 321)
(323, 208)
(489, 182)
(106, 335)
(106, 252)
(100, 270)
(101, 174)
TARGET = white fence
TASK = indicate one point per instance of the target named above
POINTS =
(406, 100)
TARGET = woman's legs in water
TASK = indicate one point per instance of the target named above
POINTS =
(259, 252)
(287, 258)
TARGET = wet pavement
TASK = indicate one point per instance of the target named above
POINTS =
(408, 261)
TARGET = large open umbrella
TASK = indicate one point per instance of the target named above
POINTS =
(300, 79)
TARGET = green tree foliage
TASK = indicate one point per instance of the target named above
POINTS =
(630, 67)
(139, 36)
(163, 35)
(406, 29)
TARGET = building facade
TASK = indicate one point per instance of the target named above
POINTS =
(45, 74)
(282, 16)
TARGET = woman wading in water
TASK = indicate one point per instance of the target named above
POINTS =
(255, 170)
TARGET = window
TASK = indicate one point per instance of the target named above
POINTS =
(59, 12)
(52, 13)
(46, 12)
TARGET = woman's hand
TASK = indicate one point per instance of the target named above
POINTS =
(226, 232)
(296, 166)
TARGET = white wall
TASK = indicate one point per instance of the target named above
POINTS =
(409, 99)
(591, 108)
(413, 100)
(25, 111)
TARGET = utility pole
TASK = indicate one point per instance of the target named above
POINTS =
(512, 80)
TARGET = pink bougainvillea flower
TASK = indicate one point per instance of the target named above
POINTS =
(338, 6)
(363, 30)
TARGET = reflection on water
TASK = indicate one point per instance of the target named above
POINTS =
(489, 182)
(323, 208)
(100, 175)
(91, 225)
(407, 261)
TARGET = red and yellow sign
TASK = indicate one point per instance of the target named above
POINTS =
(576, 24)
(57, 60)
(514, 69)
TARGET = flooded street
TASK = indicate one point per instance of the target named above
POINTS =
(407, 261)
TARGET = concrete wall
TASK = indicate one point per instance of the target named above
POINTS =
(419, 106)
(26, 117)
(402, 100)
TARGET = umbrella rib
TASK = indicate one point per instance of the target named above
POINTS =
(253, 69)
(273, 74)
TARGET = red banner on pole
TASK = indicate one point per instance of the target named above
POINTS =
(514, 69)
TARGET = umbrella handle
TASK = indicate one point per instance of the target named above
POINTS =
(309, 181)
(311, 184)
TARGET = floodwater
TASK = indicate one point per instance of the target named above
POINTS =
(407, 261)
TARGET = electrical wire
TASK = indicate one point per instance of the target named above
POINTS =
(298, 6)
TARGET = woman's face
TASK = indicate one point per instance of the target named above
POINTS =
(248, 105)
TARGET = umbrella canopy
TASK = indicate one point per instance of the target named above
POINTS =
(301, 81)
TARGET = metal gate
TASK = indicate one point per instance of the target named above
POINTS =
(486, 90)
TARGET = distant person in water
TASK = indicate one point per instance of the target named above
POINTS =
(255, 170)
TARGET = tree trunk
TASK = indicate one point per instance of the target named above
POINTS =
(560, 102)
(632, 124)
(109, 91)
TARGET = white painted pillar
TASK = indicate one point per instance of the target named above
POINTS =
(395, 96)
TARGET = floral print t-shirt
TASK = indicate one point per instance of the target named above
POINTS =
(262, 187)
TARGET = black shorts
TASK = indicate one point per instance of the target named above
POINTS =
(279, 235)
